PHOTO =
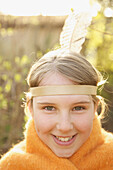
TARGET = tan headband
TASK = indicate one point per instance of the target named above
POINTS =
(63, 90)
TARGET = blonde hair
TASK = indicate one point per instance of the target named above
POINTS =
(71, 65)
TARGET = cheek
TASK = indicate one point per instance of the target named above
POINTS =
(84, 123)
(43, 123)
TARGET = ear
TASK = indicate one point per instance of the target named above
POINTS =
(30, 108)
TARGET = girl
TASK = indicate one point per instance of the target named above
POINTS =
(64, 131)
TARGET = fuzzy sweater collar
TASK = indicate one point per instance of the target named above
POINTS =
(35, 146)
(33, 142)
(32, 154)
(87, 157)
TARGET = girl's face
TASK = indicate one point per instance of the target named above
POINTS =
(63, 122)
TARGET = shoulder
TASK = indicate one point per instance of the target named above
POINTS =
(101, 156)
(12, 156)
(108, 138)
(107, 144)
(106, 149)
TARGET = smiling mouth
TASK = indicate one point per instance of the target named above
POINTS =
(64, 141)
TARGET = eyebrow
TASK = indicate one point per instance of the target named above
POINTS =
(81, 102)
(43, 103)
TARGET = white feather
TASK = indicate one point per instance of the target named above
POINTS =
(74, 31)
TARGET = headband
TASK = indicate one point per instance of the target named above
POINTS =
(63, 90)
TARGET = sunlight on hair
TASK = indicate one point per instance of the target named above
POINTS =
(101, 83)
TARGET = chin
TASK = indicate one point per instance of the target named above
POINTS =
(64, 155)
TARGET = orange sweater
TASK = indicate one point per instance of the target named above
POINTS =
(33, 154)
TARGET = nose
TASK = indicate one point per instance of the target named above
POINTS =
(64, 123)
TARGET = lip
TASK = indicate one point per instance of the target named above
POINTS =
(66, 143)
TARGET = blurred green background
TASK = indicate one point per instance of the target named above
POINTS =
(23, 40)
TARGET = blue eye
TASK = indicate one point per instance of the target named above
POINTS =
(78, 108)
(49, 108)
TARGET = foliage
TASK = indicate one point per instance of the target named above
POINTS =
(13, 73)
(106, 3)
(98, 49)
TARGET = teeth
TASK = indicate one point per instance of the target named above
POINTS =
(64, 139)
